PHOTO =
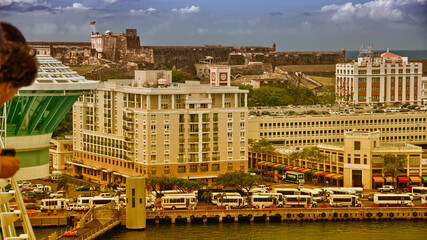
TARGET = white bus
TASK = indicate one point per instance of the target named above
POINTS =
(299, 201)
(287, 191)
(418, 191)
(216, 195)
(358, 190)
(232, 201)
(278, 196)
(175, 201)
(101, 201)
(344, 200)
(393, 199)
(263, 201)
(424, 199)
(83, 201)
(337, 191)
(54, 203)
(315, 193)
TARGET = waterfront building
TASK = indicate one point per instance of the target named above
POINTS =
(355, 162)
(387, 79)
(303, 130)
(61, 151)
(29, 118)
(153, 127)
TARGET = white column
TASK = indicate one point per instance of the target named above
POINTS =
(223, 100)
(235, 100)
(173, 101)
(148, 102)
(246, 100)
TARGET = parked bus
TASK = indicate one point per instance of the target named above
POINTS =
(277, 196)
(216, 195)
(393, 199)
(337, 191)
(299, 201)
(424, 200)
(287, 191)
(54, 203)
(101, 201)
(358, 190)
(263, 201)
(294, 177)
(418, 191)
(316, 194)
(232, 201)
(83, 201)
(344, 200)
(175, 201)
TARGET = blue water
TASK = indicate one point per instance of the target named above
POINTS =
(364, 230)
(411, 54)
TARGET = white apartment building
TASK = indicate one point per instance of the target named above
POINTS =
(159, 128)
(387, 80)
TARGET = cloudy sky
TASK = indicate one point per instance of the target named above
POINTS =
(294, 25)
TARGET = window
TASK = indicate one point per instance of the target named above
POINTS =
(193, 168)
(204, 168)
(215, 167)
(153, 171)
(181, 169)
(230, 166)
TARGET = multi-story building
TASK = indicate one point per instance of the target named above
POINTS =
(159, 128)
(387, 79)
(355, 162)
(61, 151)
(311, 130)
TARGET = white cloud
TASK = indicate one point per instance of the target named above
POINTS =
(376, 10)
(75, 6)
(202, 30)
(186, 10)
(110, 1)
(144, 12)
(306, 26)
(8, 2)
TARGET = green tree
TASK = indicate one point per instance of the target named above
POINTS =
(160, 184)
(238, 180)
(262, 146)
(180, 77)
(65, 127)
(64, 185)
(393, 166)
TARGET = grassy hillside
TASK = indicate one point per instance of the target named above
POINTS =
(308, 68)
(84, 69)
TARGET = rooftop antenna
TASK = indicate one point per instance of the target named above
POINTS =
(367, 52)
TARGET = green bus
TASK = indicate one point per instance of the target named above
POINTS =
(294, 177)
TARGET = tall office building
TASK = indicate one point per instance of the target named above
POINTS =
(29, 118)
(387, 79)
(150, 126)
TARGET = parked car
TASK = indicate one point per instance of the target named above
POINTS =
(386, 188)
(28, 193)
(83, 188)
(32, 206)
(58, 194)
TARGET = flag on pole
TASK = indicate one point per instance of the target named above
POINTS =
(92, 23)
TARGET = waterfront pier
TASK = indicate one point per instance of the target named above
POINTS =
(291, 214)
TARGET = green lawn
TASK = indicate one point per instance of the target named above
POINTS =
(84, 69)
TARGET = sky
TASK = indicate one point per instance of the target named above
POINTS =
(294, 25)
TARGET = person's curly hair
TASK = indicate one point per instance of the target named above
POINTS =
(17, 61)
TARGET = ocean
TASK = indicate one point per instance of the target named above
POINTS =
(411, 54)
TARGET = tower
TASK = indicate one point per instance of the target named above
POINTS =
(30, 117)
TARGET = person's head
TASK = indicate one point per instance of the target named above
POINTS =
(18, 65)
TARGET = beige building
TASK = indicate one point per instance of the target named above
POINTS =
(355, 162)
(61, 151)
(160, 128)
(312, 130)
(387, 79)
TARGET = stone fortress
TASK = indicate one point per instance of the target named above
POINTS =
(117, 48)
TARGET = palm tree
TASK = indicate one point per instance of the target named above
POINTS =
(63, 184)
(207, 196)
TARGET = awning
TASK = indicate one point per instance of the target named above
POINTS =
(120, 174)
(324, 174)
(415, 179)
(288, 167)
(330, 175)
(389, 179)
(277, 165)
(259, 163)
(306, 170)
(425, 179)
(282, 166)
(82, 165)
(266, 163)
(338, 176)
(312, 171)
(318, 173)
(402, 179)
(378, 179)
(299, 169)
(295, 168)
(271, 164)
